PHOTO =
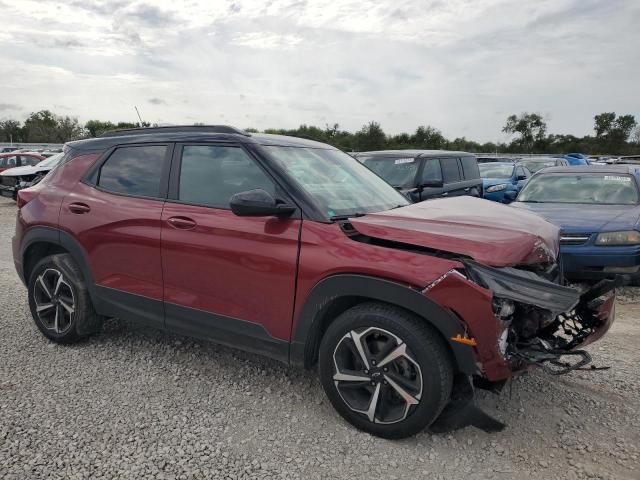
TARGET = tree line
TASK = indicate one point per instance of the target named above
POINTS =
(613, 134)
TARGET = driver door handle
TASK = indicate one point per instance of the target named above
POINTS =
(445, 194)
(182, 223)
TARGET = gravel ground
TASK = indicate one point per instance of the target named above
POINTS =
(134, 403)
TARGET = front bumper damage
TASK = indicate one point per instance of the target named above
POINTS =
(545, 323)
(518, 319)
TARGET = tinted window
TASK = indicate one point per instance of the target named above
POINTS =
(133, 171)
(590, 188)
(450, 171)
(521, 172)
(211, 175)
(431, 170)
(470, 168)
(399, 172)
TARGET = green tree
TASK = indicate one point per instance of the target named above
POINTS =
(530, 127)
(11, 131)
(428, 138)
(370, 137)
(44, 126)
(603, 123)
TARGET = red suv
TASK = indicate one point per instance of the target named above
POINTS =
(292, 249)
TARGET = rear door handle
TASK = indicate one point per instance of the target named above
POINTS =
(79, 208)
(182, 223)
(445, 194)
(467, 189)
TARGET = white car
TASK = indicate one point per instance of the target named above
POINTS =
(17, 178)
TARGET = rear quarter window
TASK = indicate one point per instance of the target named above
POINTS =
(135, 171)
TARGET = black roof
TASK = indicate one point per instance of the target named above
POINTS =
(412, 153)
(190, 133)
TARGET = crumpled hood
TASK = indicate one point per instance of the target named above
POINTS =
(25, 170)
(488, 232)
(585, 218)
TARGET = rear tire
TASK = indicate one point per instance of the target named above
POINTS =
(375, 352)
(59, 300)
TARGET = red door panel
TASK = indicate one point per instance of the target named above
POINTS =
(238, 267)
(121, 236)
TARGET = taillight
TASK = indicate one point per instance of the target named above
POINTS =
(24, 196)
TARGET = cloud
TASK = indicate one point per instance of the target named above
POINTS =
(458, 65)
(9, 107)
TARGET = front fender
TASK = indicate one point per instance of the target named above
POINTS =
(308, 329)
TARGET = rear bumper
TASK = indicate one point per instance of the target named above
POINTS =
(595, 263)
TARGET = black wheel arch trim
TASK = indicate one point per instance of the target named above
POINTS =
(307, 333)
(62, 239)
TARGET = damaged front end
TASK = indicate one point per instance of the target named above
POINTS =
(543, 322)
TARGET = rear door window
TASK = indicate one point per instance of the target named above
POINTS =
(470, 168)
(431, 170)
(135, 171)
(450, 170)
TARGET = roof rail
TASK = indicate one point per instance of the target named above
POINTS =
(176, 129)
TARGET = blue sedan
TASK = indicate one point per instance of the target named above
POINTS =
(598, 212)
(501, 181)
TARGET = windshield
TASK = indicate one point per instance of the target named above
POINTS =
(338, 183)
(51, 161)
(604, 189)
(399, 172)
(534, 166)
(493, 170)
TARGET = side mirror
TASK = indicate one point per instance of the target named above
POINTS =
(432, 184)
(258, 203)
(521, 177)
(510, 195)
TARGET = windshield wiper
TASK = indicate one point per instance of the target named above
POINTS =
(337, 218)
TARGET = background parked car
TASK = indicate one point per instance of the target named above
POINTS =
(535, 164)
(17, 178)
(576, 159)
(489, 159)
(597, 209)
(425, 174)
(10, 160)
(500, 178)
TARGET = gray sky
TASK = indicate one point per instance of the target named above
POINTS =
(459, 65)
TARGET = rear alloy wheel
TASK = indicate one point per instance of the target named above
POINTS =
(54, 300)
(59, 300)
(385, 370)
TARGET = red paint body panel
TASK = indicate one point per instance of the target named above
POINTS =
(240, 267)
(121, 236)
(486, 231)
(325, 250)
(478, 316)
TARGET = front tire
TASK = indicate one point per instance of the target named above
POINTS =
(59, 300)
(385, 370)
